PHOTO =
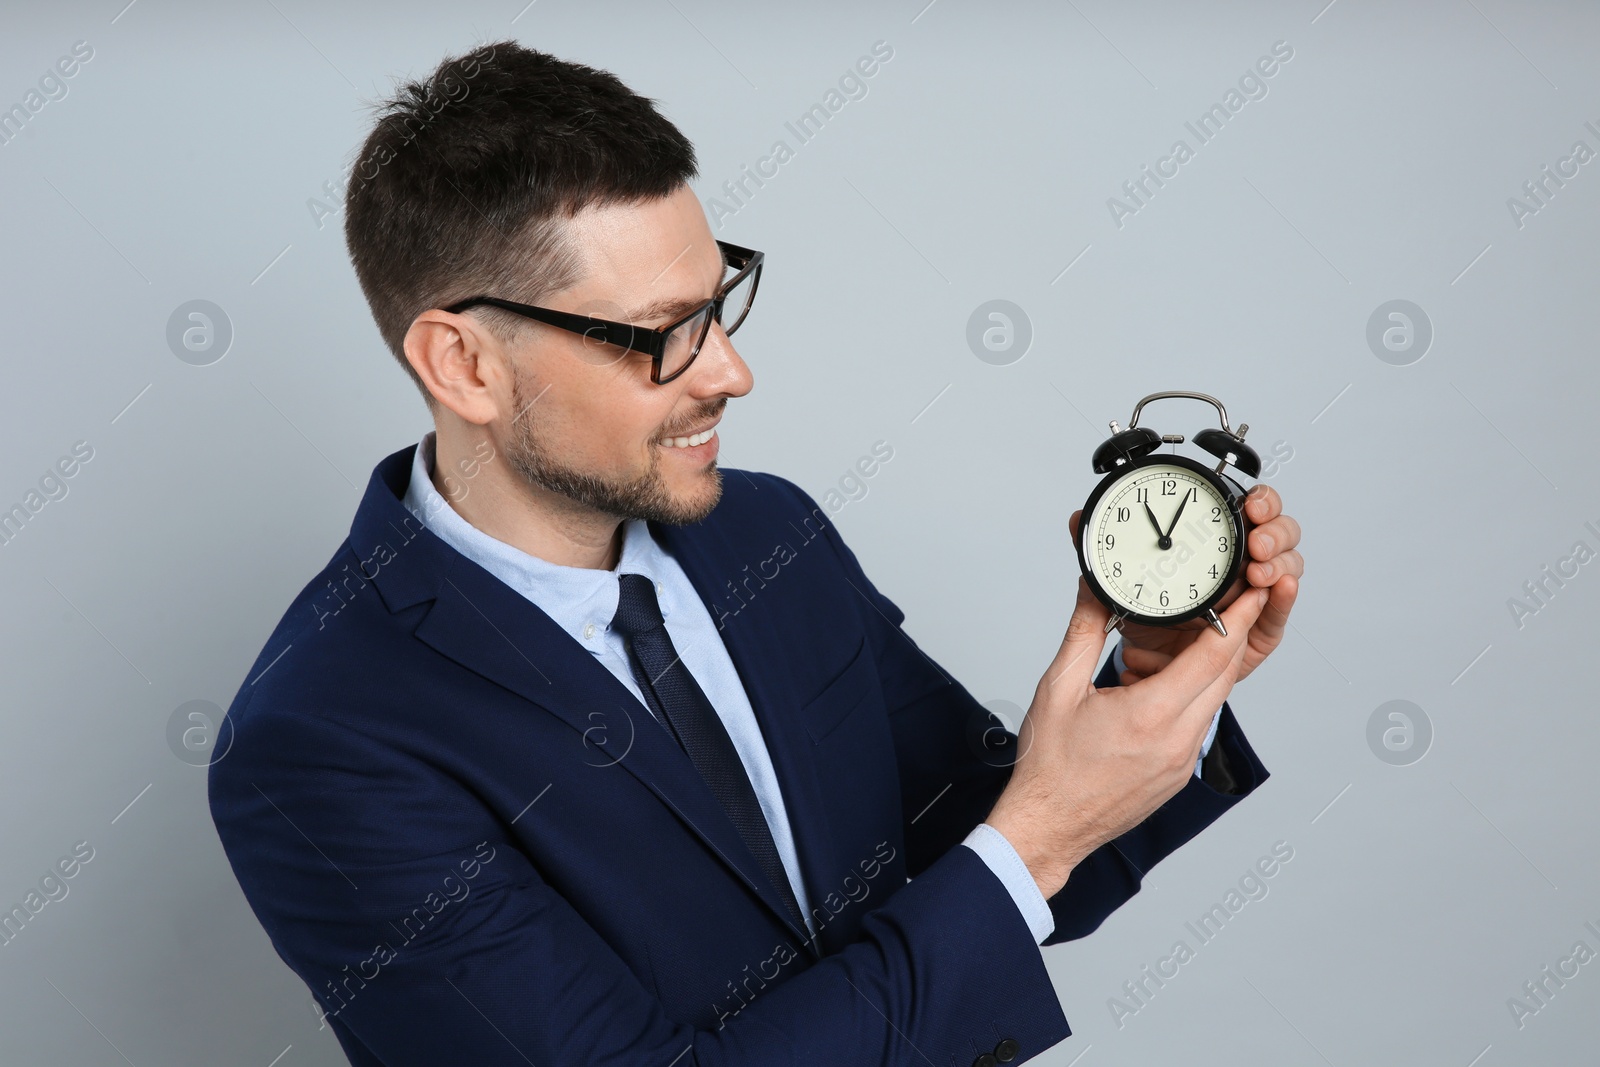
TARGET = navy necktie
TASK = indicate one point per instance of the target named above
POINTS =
(684, 711)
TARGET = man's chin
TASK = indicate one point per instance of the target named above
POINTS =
(694, 503)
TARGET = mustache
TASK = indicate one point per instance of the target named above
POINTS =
(700, 417)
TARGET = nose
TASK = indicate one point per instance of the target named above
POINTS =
(719, 370)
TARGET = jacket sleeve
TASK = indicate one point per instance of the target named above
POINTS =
(489, 965)
(956, 758)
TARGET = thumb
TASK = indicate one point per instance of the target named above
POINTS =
(1086, 638)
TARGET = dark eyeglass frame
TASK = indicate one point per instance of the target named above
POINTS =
(651, 340)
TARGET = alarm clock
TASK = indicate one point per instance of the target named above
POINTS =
(1162, 538)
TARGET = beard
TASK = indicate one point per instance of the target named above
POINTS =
(645, 497)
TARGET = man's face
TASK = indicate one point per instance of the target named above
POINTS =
(586, 420)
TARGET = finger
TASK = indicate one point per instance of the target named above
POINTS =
(1267, 633)
(1270, 538)
(1262, 503)
(1072, 524)
(1196, 718)
(1075, 661)
(1290, 563)
(1198, 666)
(1280, 600)
(1198, 714)
(1145, 660)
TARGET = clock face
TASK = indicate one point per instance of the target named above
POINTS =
(1161, 540)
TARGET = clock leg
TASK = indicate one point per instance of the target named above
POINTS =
(1114, 623)
(1216, 622)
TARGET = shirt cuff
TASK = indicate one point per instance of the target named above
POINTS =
(1205, 746)
(1211, 734)
(991, 845)
(1116, 658)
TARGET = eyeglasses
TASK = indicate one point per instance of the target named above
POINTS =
(672, 347)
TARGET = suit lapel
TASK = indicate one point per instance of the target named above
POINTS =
(484, 625)
(487, 627)
(758, 656)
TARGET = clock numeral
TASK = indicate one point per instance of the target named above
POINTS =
(1214, 573)
(1222, 544)
(1192, 594)
(1122, 514)
(1216, 514)
(1163, 598)
(1138, 590)
(1169, 486)
(1110, 540)
(1194, 494)
(1116, 569)
(1141, 495)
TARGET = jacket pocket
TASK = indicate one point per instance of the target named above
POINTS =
(825, 711)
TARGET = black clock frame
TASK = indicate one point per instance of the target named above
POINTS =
(1230, 490)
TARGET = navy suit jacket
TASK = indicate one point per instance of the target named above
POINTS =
(474, 845)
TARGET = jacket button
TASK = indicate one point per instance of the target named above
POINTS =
(985, 1060)
(1007, 1050)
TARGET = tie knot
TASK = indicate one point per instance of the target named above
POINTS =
(637, 609)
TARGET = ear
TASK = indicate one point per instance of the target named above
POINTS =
(462, 365)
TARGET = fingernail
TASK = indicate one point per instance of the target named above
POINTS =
(1261, 598)
(1266, 544)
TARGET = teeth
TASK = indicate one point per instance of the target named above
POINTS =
(690, 441)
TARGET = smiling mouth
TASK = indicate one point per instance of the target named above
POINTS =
(691, 441)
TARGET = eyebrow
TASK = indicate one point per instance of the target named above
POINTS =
(671, 307)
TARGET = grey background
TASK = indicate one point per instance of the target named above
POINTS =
(977, 167)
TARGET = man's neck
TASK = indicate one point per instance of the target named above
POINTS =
(501, 504)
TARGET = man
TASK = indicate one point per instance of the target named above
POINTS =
(579, 751)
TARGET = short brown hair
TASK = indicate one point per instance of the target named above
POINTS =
(464, 185)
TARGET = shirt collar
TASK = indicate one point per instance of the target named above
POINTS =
(581, 600)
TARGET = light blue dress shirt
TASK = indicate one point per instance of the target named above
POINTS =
(582, 601)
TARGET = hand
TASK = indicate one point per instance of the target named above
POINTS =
(1093, 763)
(1274, 565)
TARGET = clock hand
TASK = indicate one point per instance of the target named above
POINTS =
(1160, 537)
(1168, 535)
